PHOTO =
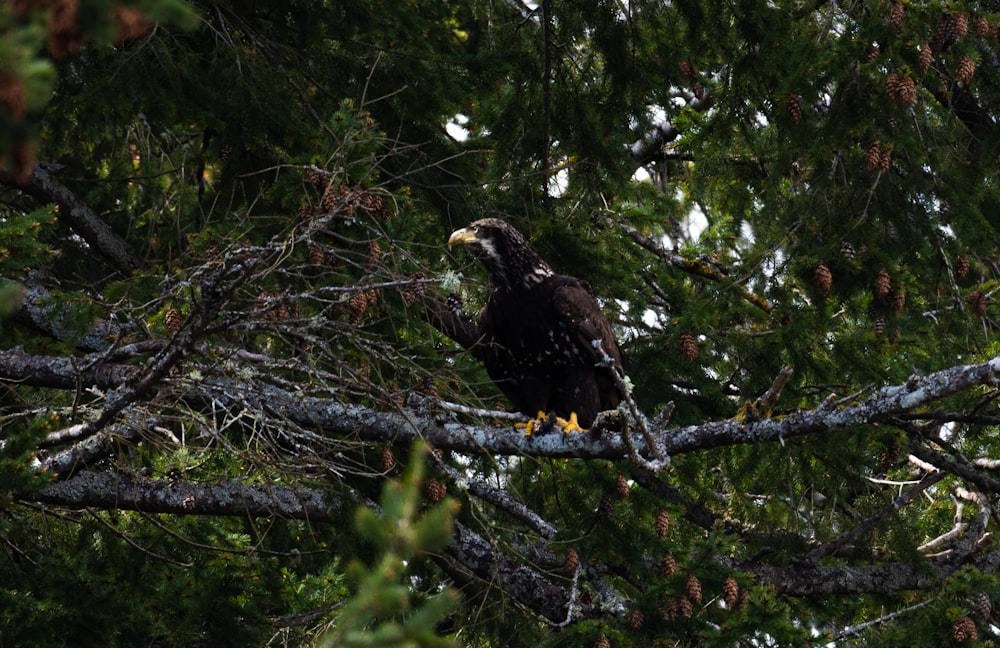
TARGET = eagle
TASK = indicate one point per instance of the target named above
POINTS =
(543, 338)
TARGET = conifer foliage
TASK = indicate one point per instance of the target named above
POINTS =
(241, 403)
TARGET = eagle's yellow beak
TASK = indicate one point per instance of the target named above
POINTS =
(463, 236)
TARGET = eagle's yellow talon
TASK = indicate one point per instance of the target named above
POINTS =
(572, 425)
(529, 428)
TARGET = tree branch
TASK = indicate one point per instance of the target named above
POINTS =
(125, 492)
(356, 421)
(79, 217)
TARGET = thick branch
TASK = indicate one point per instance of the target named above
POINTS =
(80, 218)
(125, 492)
(355, 421)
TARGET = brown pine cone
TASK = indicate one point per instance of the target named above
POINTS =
(964, 629)
(689, 345)
(978, 302)
(883, 284)
(668, 565)
(823, 277)
(730, 591)
(981, 25)
(693, 589)
(571, 562)
(872, 53)
(622, 485)
(925, 57)
(685, 608)
(388, 460)
(435, 490)
(962, 267)
(662, 524)
(877, 157)
(173, 321)
(966, 70)
(951, 28)
(896, 12)
(794, 108)
(981, 605)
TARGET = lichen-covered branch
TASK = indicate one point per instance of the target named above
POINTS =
(334, 417)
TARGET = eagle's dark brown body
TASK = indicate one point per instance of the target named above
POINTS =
(545, 342)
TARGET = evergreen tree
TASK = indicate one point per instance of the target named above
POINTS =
(228, 311)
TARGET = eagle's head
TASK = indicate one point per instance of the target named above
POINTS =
(510, 262)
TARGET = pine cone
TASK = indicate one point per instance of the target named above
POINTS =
(415, 290)
(671, 610)
(428, 388)
(693, 589)
(981, 25)
(435, 490)
(689, 345)
(730, 591)
(316, 254)
(686, 69)
(455, 305)
(823, 277)
(388, 460)
(668, 565)
(981, 605)
(965, 70)
(925, 57)
(950, 29)
(897, 300)
(606, 508)
(357, 304)
(602, 642)
(879, 323)
(685, 608)
(571, 563)
(637, 619)
(978, 302)
(374, 253)
(794, 108)
(905, 91)
(872, 53)
(316, 178)
(889, 456)
(847, 250)
(962, 267)
(883, 284)
(173, 321)
(964, 629)
(896, 11)
(662, 524)
(273, 310)
(622, 486)
(878, 157)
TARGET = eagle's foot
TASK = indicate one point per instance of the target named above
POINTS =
(572, 425)
(540, 423)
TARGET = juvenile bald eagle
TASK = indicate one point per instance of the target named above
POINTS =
(544, 340)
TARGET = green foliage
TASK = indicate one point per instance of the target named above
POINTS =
(19, 473)
(304, 144)
(384, 611)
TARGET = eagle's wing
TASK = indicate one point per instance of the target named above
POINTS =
(580, 313)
